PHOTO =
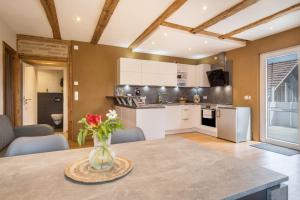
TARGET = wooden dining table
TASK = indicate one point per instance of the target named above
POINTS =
(173, 168)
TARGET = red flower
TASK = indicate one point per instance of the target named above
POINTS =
(93, 120)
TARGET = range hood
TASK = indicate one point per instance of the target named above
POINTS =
(218, 77)
(221, 71)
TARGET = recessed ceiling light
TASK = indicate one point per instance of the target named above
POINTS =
(153, 43)
(271, 28)
(205, 42)
(204, 7)
(190, 49)
(165, 34)
(78, 19)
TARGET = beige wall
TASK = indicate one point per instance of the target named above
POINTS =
(94, 66)
(246, 69)
(8, 36)
(48, 80)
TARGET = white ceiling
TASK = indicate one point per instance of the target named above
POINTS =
(88, 11)
(191, 14)
(25, 17)
(278, 25)
(132, 17)
(259, 10)
(172, 42)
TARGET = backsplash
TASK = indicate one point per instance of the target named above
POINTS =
(216, 95)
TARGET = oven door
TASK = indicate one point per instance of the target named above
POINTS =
(208, 117)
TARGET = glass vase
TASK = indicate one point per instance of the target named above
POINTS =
(101, 157)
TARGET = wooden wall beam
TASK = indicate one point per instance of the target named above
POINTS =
(227, 13)
(50, 10)
(203, 32)
(168, 12)
(262, 21)
(107, 11)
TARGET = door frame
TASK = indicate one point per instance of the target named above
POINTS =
(16, 80)
(263, 98)
(68, 69)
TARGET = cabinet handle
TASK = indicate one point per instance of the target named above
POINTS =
(218, 113)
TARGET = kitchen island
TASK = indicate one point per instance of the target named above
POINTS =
(172, 168)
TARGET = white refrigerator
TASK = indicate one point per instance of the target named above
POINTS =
(234, 123)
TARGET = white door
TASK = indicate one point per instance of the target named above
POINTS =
(29, 95)
(280, 97)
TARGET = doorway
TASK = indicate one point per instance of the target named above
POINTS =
(280, 97)
(45, 95)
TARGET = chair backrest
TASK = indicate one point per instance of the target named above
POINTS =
(127, 135)
(7, 134)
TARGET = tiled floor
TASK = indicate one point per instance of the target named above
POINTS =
(288, 165)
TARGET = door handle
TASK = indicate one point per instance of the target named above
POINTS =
(26, 100)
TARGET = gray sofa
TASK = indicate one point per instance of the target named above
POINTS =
(28, 139)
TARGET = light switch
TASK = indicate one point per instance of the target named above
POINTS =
(76, 83)
(76, 95)
(204, 97)
(76, 47)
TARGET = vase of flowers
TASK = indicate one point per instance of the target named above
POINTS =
(102, 156)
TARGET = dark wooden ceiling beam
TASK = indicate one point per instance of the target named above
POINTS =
(227, 13)
(167, 13)
(50, 10)
(203, 32)
(263, 21)
(107, 11)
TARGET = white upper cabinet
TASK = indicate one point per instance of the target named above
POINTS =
(146, 72)
(159, 73)
(201, 76)
(194, 75)
(189, 74)
(130, 65)
(129, 72)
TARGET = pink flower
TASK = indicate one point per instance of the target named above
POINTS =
(93, 120)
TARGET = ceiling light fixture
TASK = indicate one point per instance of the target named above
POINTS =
(271, 28)
(205, 42)
(190, 49)
(78, 19)
(153, 43)
(165, 34)
(204, 7)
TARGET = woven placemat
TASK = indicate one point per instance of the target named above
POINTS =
(81, 171)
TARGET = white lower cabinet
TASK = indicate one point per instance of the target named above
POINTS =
(179, 117)
(150, 120)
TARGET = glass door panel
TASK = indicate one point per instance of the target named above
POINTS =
(282, 93)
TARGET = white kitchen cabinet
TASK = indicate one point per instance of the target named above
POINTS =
(129, 71)
(189, 71)
(180, 117)
(150, 120)
(201, 76)
(159, 73)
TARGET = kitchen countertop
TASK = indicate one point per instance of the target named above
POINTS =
(157, 105)
(172, 168)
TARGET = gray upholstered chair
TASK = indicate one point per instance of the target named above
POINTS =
(28, 139)
(127, 135)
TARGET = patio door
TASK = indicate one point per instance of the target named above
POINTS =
(280, 97)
